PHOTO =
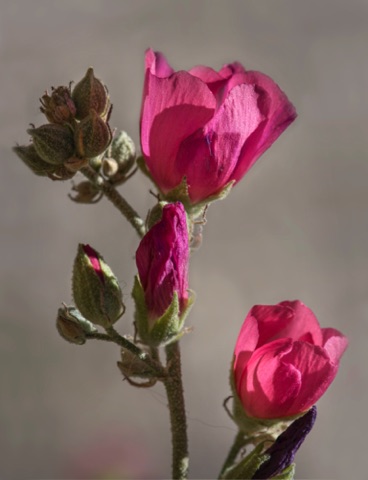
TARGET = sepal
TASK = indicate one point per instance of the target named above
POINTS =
(163, 330)
(54, 143)
(92, 136)
(287, 474)
(90, 93)
(247, 467)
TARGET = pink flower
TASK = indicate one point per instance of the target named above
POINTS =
(162, 261)
(208, 126)
(284, 361)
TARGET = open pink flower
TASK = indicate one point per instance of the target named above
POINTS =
(208, 126)
(162, 261)
(284, 361)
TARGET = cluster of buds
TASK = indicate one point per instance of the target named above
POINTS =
(77, 132)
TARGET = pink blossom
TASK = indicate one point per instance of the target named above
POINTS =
(284, 361)
(207, 126)
(162, 261)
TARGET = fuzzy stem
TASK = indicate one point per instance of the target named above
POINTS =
(116, 199)
(175, 395)
(239, 442)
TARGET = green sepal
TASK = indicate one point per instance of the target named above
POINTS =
(54, 143)
(75, 316)
(164, 330)
(141, 313)
(181, 193)
(248, 466)
(30, 157)
(287, 474)
(167, 327)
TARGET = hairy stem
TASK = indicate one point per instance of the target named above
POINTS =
(116, 199)
(239, 442)
(175, 395)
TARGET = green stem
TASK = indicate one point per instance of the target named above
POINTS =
(239, 442)
(175, 395)
(116, 199)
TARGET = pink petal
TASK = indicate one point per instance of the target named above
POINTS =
(245, 345)
(277, 110)
(173, 109)
(208, 159)
(157, 64)
(317, 374)
(334, 343)
(303, 323)
(272, 321)
(230, 69)
(269, 387)
(206, 74)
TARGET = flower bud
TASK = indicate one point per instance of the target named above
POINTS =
(92, 136)
(110, 167)
(161, 290)
(96, 290)
(122, 149)
(72, 326)
(282, 452)
(30, 157)
(54, 143)
(70, 331)
(90, 93)
(59, 106)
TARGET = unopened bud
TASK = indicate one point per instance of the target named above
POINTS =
(109, 167)
(30, 157)
(59, 106)
(282, 451)
(72, 326)
(54, 143)
(90, 93)
(92, 136)
(96, 290)
(122, 149)
(69, 330)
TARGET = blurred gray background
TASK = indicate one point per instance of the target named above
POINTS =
(296, 227)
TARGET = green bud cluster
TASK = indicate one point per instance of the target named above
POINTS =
(77, 132)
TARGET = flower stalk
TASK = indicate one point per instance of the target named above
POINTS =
(175, 395)
(239, 442)
(116, 199)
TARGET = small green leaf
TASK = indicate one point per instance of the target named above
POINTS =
(248, 466)
(287, 474)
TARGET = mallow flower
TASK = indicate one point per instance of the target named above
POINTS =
(284, 361)
(161, 287)
(206, 126)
